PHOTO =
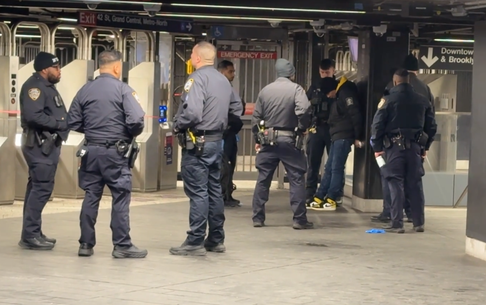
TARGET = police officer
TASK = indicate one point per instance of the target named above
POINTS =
(281, 116)
(405, 121)
(319, 137)
(346, 128)
(230, 137)
(202, 118)
(410, 63)
(43, 120)
(108, 112)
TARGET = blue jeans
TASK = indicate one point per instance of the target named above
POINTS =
(332, 181)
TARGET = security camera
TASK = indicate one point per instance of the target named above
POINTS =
(92, 5)
(380, 30)
(274, 23)
(152, 9)
(318, 23)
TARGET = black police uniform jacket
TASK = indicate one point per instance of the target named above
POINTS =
(404, 110)
(42, 108)
(345, 119)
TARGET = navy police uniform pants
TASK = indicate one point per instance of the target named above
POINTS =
(99, 167)
(231, 153)
(387, 200)
(42, 170)
(202, 186)
(316, 143)
(294, 161)
(404, 171)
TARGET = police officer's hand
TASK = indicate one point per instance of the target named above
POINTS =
(257, 147)
(377, 154)
(358, 143)
(424, 154)
(332, 94)
(62, 125)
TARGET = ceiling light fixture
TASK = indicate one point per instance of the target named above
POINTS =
(454, 40)
(280, 9)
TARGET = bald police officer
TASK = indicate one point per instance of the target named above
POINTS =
(108, 112)
(43, 120)
(201, 119)
(405, 122)
(281, 116)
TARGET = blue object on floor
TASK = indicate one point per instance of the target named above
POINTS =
(376, 231)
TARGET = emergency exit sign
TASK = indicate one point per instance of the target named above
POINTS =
(446, 58)
(247, 55)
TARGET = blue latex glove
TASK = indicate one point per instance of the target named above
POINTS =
(376, 231)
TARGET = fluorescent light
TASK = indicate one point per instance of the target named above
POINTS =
(282, 9)
(454, 40)
(229, 17)
(68, 19)
(26, 36)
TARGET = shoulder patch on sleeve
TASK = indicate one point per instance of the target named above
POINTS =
(34, 93)
(349, 101)
(382, 102)
(188, 84)
(135, 96)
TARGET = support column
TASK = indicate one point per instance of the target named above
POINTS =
(377, 58)
(476, 208)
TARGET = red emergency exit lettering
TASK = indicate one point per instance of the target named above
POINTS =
(87, 18)
(247, 55)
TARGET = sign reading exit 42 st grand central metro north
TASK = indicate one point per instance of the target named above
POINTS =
(446, 58)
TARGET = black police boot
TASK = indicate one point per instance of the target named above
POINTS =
(391, 229)
(308, 202)
(35, 243)
(49, 240)
(188, 250)
(305, 226)
(419, 229)
(85, 250)
(128, 252)
(235, 200)
(214, 247)
(258, 224)
(380, 218)
(230, 204)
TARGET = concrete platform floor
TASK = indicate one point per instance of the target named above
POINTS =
(338, 263)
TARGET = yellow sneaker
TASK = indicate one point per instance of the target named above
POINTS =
(323, 205)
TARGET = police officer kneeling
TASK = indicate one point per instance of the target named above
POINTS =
(281, 116)
(405, 122)
(108, 112)
(43, 119)
(200, 122)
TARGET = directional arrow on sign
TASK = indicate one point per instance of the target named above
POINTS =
(430, 59)
(189, 27)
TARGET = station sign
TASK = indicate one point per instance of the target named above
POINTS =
(247, 55)
(446, 58)
(133, 22)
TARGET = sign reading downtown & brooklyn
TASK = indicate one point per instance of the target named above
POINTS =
(446, 58)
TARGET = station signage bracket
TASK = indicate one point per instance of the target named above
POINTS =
(133, 22)
(446, 58)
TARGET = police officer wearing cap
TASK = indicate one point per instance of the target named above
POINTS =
(200, 122)
(410, 63)
(319, 137)
(402, 131)
(281, 116)
(43, 120)
(109, 114)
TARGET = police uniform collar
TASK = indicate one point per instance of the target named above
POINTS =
(401, 88)
(42, 79)
(107, 75)
(205, 67)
